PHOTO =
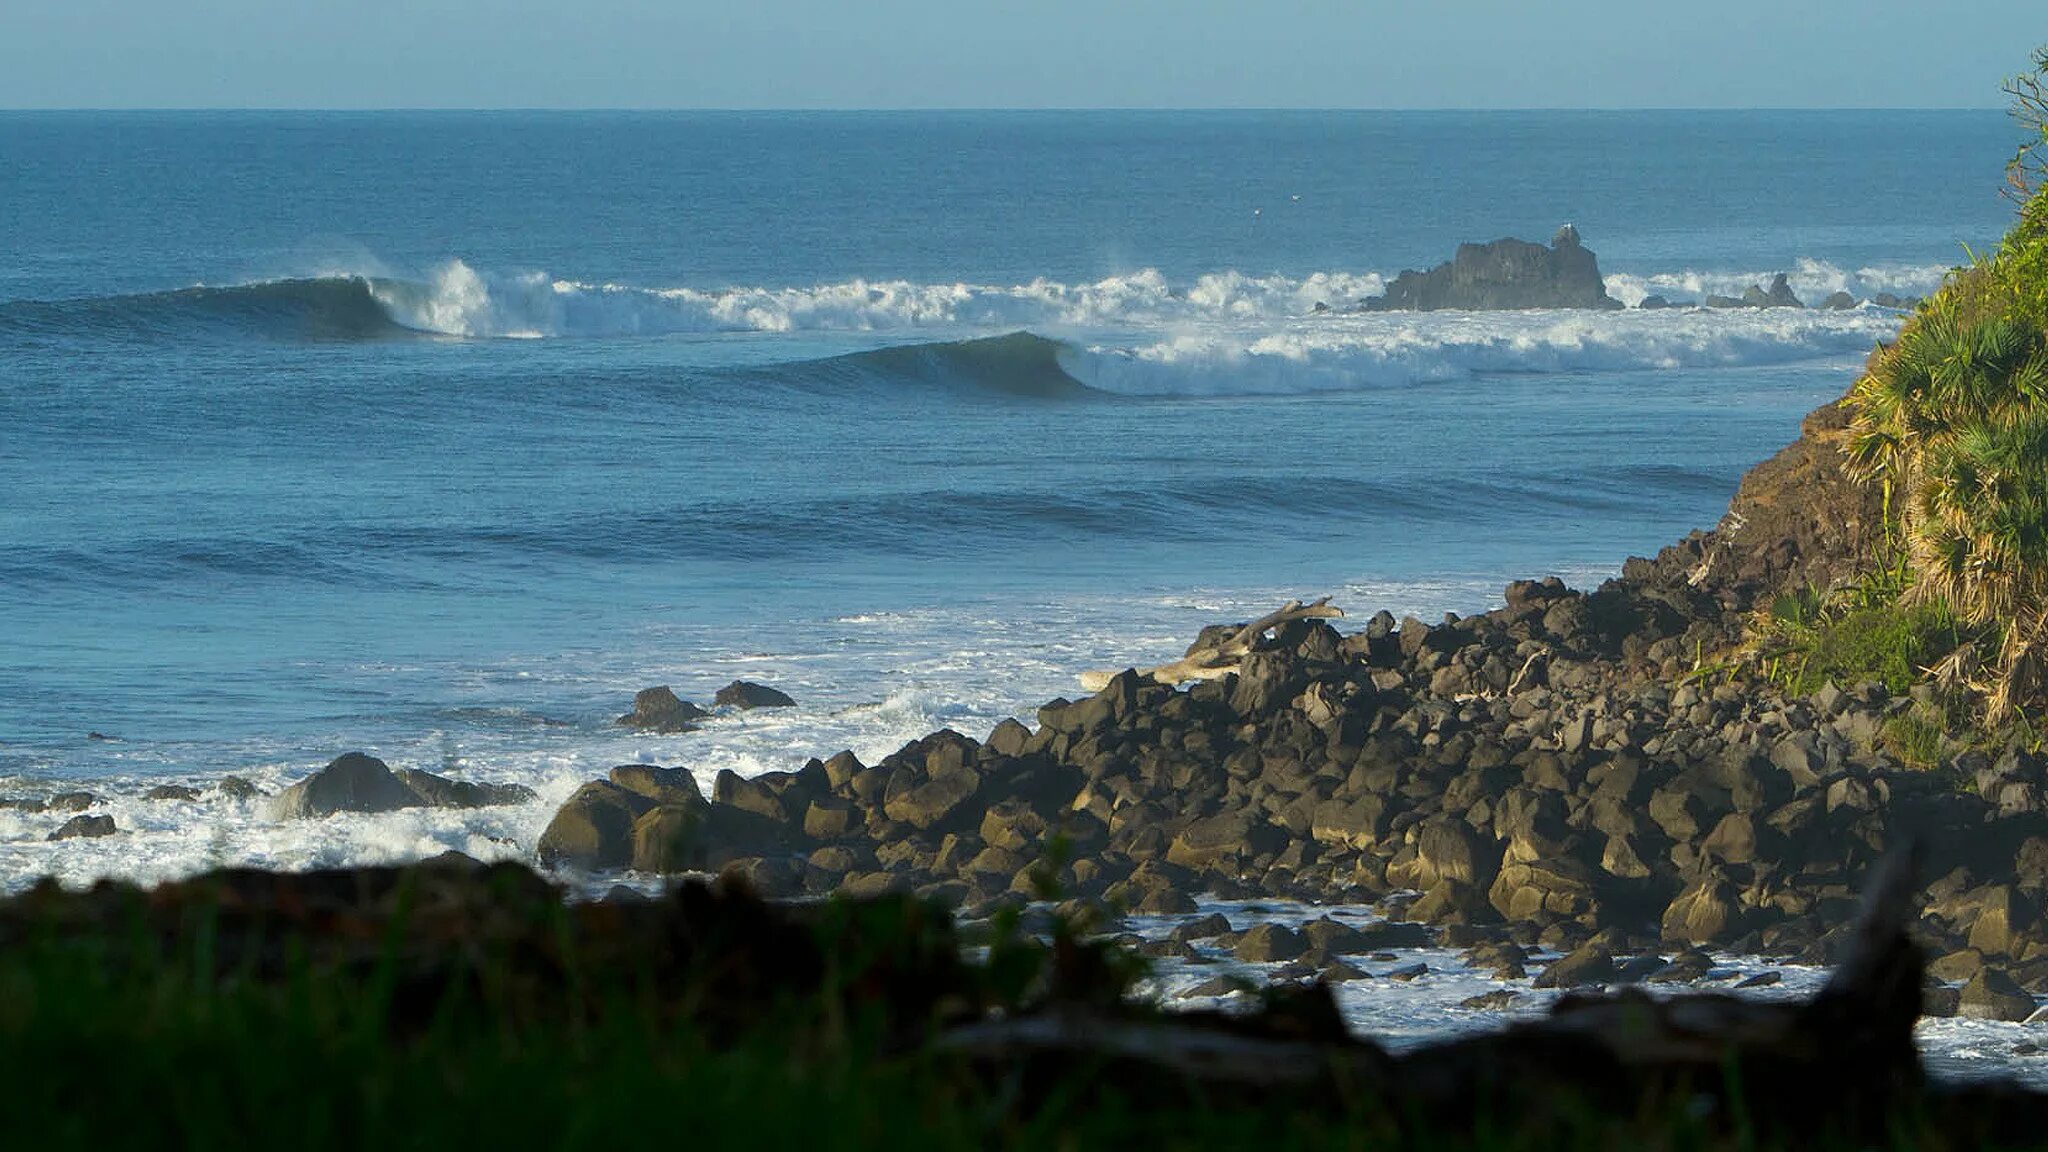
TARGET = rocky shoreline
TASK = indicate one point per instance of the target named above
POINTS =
(1564, 771)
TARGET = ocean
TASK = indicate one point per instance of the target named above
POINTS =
(437, 436)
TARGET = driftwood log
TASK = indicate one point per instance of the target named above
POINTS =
(1212, 656)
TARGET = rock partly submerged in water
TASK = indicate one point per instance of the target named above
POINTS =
(355, 782)
(745, 694)
(1507, 274)
(660, 710)
(85, 827)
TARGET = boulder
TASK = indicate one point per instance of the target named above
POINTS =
(1265, 943)
(936, 801)
(171, 792)
(236, 788)
(1653, 302)
(1705, 913)
(1839, 301)
(1590, 964)
(1992, 995)
(744, 694)
(72, 801)
(661, 785)
(660, 710)
(351, 782)
(441, 792)
(1506, 274)
(85, 827)
(594, 828)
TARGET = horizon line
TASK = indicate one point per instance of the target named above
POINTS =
(963, 109)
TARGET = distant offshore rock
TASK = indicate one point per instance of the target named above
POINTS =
(1507, 274)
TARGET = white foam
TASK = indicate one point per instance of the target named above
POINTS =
(1350, 352)
(458, 300)
(1811, 280)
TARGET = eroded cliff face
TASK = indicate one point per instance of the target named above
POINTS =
(1798, 520)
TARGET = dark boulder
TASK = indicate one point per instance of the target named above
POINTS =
(1838, 301)
(358, 783)
(171, 792)
(593, 829)
(1653, 302)
(1590, 964)
(72, 801)
(1992, 995)
(744, 694)
(441, 792)
(236, 788)
(1778, 295)
(1265, 943)
(660, 710)
(1506, 274)
(351, 782)
(85, 827)
(661, 785)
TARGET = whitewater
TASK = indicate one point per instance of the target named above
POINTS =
(439, 437)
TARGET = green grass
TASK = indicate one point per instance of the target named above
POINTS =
(111, 1040)
(1872, 632)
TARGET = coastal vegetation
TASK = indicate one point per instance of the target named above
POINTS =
(1950, 424)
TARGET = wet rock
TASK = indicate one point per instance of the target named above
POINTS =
(593, 829)
(1498, 1000)
(1203, 928)
(352, 782)
(1839, 301)
(72, 801)
(1760, 980)
(171, 792)
(660, 710)
(1778, 295)
(1336, 939)
(1992, 995)
(236, 788)
(1588, 965)
(661, 785)
(441, 792)
(1264, 943)
(85, 827)
(744, 695)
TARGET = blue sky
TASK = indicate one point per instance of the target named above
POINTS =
(1012, 53)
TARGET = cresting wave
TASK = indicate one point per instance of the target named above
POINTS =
(457, 300)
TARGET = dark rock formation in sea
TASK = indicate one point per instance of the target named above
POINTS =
(1506, 274)
(1653, 303)
(659, 710)
(85, 827)
(1777, 295)
(1839, 301)
(745, 694)
(357, 783)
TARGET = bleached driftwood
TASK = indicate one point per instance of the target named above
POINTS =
(1211, 661)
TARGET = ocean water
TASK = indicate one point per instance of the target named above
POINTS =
(438, 436)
